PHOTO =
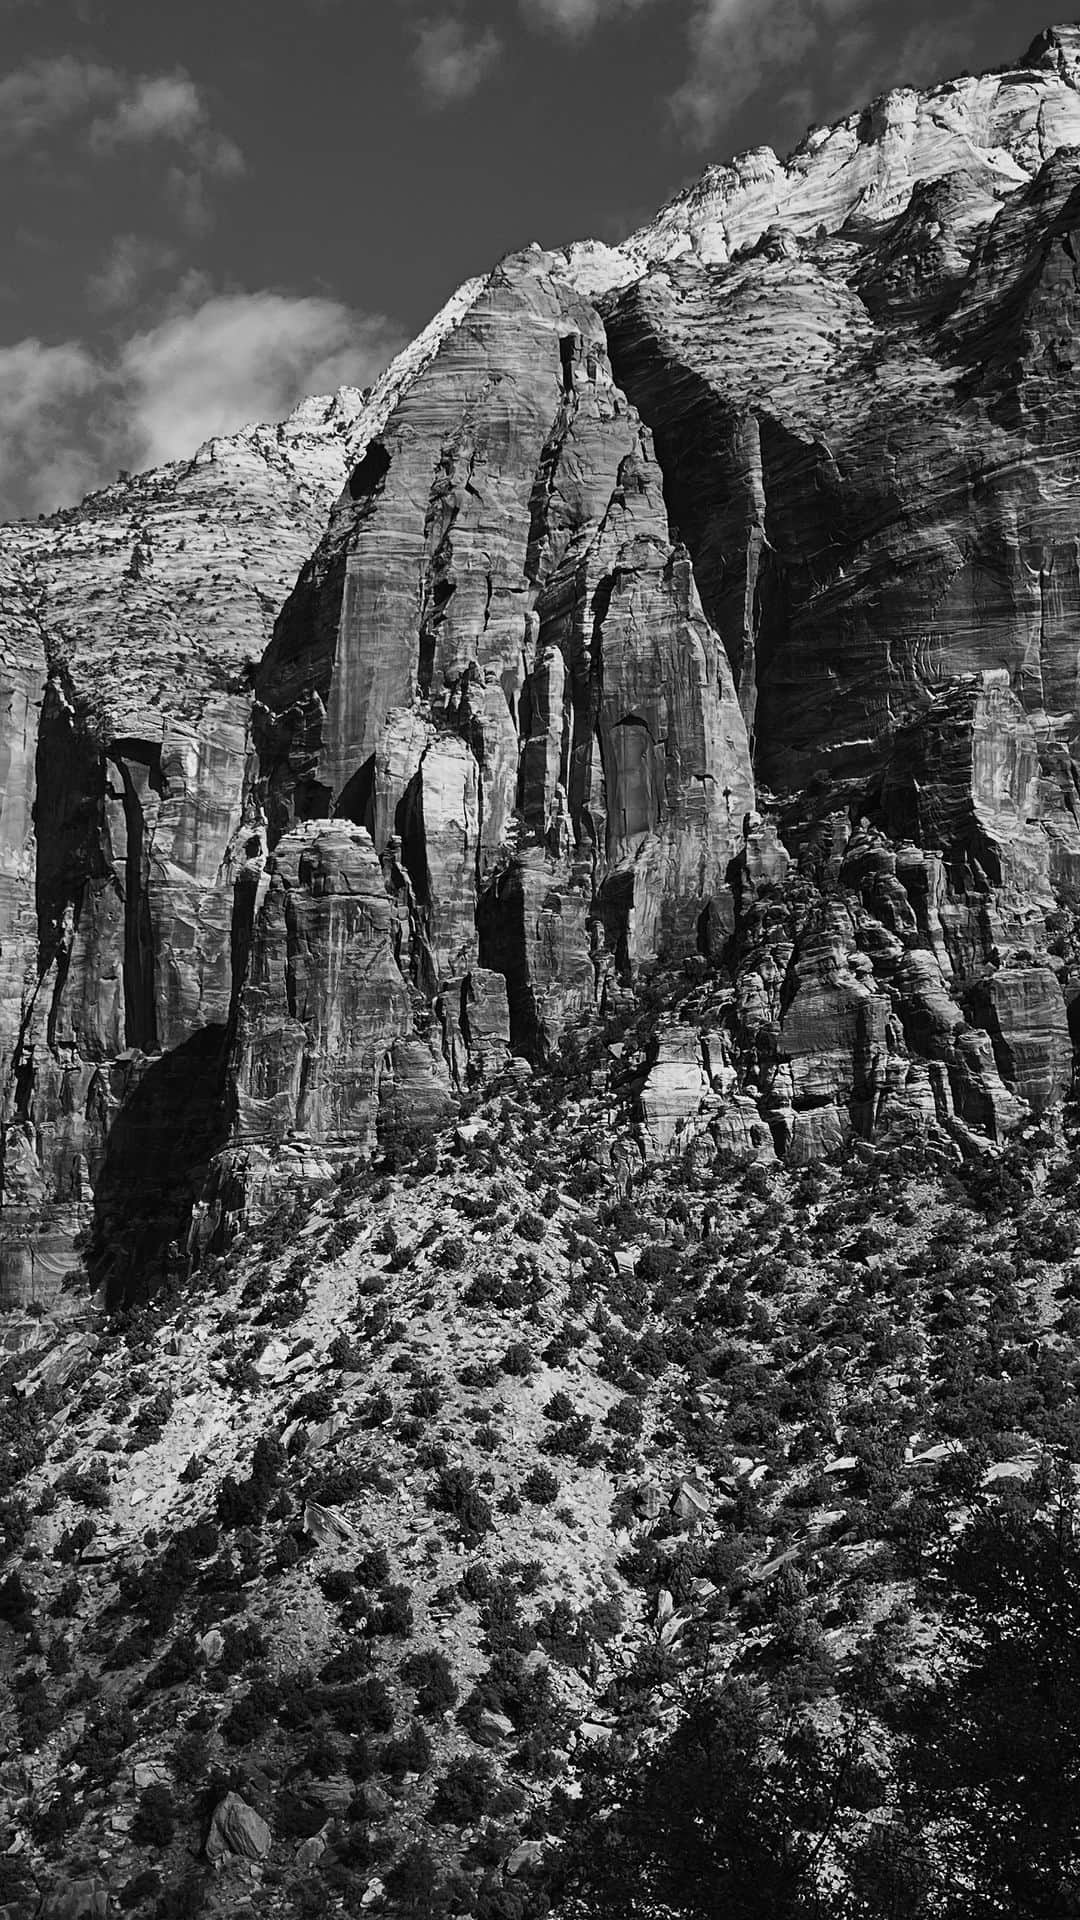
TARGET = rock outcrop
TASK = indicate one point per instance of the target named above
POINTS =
(713, 593)
(130, 630)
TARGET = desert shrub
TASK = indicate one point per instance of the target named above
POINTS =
(413, 1883)
(541, 1486)
(344, 1353)
(154, 1824)
(88, 1485)
(106, 1736)
(37, 1715)
(74, 1541)
(393, 1616)
(517, 1360)
(559, 1407)
(190, 1756)
(316, 1405)
(410, 1752)
(17, 1602)
(456, 1493)
(451, 1253)
(139, 1889)
(625, 1417)
(251, 1714)
(430, 1674)
(373, 1567)
(573, 1439)
(465, 1792)
(177, 1663)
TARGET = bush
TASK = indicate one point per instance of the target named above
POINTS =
(141, 1888)
(457, 1494)
(541, 1486)
(430, 1674)
(154, 1824)
(451, 1254)
(466, 1791)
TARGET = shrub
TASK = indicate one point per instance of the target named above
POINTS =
(559, 1407)
(465, 1792)
(451, 1254)
(410, 1753)
(541, 1486)
(141, 1888)
(373, 1567)
(154, 1824)
(457, 1494)
(429, 1673)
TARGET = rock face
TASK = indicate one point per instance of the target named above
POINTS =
(498, 664)
(717, 592)
(128, 632)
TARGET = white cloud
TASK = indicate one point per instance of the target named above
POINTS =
(166, 106)
(109, 110)
(43, 95)
(576, 18)
(450, 63)
(240, 357)
(133, 260)
(46, 397)
(734, 46)
(828, 56)
(70, 419)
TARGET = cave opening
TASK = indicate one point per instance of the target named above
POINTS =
(370, 472)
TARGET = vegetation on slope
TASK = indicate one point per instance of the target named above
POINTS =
(506, 1542)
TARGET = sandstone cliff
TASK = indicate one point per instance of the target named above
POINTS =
(712, 594)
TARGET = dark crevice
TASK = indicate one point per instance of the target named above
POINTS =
(140, 1012)
(370, 472)
(568, 350)
(173, 1119)
(356, 801)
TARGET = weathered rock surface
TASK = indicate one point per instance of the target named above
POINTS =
(130, 627)
(236, 1828)
(498, 663)
(775, 500)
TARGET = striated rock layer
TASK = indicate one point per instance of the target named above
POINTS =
(714, 593)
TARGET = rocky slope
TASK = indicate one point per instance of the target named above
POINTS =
(348, 1581)
(538, 972)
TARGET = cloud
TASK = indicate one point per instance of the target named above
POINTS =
(824, 56)
(44, 95)
(576, 18)
(166, 106)
(110, 111)
(70, 418)
(46, 403)
(132, 261)
(450, 63)
(240, 357)
(734, 46)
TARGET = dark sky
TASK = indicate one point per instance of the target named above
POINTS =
(214, 206)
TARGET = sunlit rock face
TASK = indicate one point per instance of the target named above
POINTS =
(498, 663)
(716, 593)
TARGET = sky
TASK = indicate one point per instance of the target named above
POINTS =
(213, 208)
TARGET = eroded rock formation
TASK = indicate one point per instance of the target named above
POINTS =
(716, 593)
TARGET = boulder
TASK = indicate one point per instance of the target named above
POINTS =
(236, 1828)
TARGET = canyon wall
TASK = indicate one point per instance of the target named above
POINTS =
(709, 600)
